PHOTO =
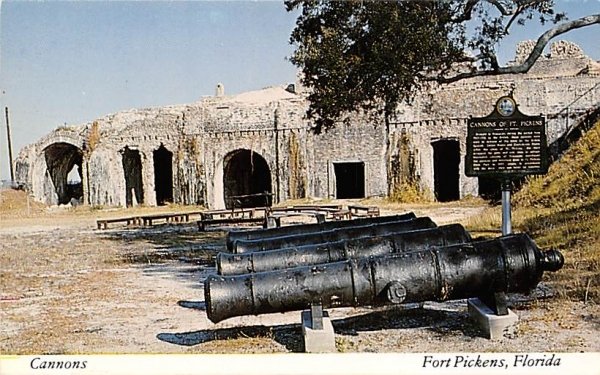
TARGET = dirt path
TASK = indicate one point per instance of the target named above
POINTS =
(68, 288)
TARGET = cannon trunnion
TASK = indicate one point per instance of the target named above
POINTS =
(508, 264)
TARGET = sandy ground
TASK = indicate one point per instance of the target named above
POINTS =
(66, 287)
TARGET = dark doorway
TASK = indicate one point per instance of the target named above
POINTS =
(349, 180)
(64, 166)
(163, 175)
(446, 159)
(246, 180)
(132, 167)
(490, 188)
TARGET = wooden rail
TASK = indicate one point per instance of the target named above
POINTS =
(341, 215)
(236, 212)
(233, 216)
(299, 208)
(363, 211)
(269, 216)
(103, 223)
(147, 220)
(273, 220)
(202, 224)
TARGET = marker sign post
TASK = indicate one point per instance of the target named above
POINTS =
(506, 145)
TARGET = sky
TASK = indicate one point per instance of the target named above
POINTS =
(69, 62)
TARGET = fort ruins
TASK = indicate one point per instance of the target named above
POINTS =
(229, 150)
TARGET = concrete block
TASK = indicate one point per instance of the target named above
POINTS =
(318, 340)
(493, 326)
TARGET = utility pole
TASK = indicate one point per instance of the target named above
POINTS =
(10, 155)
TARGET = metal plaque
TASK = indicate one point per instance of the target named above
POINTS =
(506, 143)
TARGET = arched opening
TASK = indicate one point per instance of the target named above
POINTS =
(349, 180)
(63, 161)
(132, 168)
(163, 175)
(246, 180)
(446, 160)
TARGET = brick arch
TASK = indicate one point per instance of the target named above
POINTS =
(58, 136)
(60, 159)
(246, 175)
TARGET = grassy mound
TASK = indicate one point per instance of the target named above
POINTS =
(562, 210)
(15, 203)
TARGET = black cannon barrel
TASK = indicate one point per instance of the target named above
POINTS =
(508, 264)
(422, 239)
(370, 230)
(309, 228)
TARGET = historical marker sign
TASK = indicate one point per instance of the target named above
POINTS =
(506, 143)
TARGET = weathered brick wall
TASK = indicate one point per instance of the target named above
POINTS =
(271, 123)
(359, 142)
(254, 122)
(565, 79)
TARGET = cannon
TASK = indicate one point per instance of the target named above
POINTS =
(308, 228)
(508, 264)
(422, 239)
(370, 230)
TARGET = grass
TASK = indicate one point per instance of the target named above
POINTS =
(393, 204)
(15, 203)
(562, 210)
(411, 193)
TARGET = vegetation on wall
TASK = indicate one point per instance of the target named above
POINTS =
(93, 137)
(297, 175)
(190, 172)
(404, 182)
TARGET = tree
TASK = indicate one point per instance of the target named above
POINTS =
(370, 56)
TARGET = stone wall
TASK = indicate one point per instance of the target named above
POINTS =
(562, 86)
(269, 124)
